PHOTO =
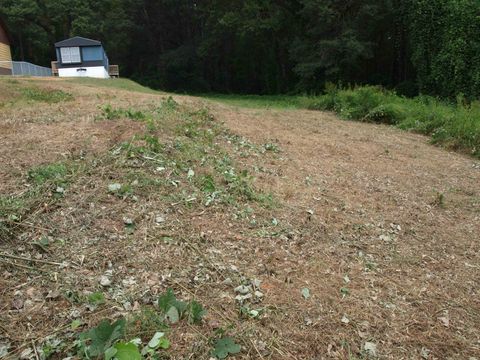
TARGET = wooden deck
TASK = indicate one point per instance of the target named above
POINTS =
(114, 71)
(54, 68)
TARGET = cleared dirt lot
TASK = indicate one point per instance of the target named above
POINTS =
(382, 228)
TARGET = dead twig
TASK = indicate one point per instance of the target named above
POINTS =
(21, 266)
(35, 350)
(35, 226)
(256, 349)
(29, 259)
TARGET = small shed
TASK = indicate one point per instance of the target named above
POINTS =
(5, 52)
(79, 56)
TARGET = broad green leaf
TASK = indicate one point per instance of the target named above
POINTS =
(172, 315)
(75, 324)
(103, 336)
(164, 343)
(155, 341)
(44, 241)
(96, 298)
(181, 306)
(171, 307)
(225, 347)
(196, 312)
(127, 351)
(110, 353)
(306, 293)
(166, 301)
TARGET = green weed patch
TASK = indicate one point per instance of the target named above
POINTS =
(455, 126)
(111, 113)
(50, 96)
(123, 339)
(46, 183)
(199, 170)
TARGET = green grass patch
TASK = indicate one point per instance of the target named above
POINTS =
(259, 101)
(121, 84)
(111, 113)
(55, 173)
(456, 126)
(50, 96)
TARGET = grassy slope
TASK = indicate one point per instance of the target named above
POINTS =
(176, 161)
(122, 84)
(258, 101)
(174, 199)
(455, 126)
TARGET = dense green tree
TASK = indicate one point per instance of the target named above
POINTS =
(445, 36)
(266, 46)
(245, 44)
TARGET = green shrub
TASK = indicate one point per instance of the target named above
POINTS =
(357, 103)
(387, 114)
(326, 102)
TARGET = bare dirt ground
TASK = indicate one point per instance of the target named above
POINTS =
(368, 247)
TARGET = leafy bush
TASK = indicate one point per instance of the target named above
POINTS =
(105, 341)
(386, 113)
(97, 341)
(356, 104)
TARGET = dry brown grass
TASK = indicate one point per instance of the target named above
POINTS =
(359, 224)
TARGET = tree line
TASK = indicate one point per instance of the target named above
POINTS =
(266, 46)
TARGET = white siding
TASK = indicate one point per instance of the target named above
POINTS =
(94, 71)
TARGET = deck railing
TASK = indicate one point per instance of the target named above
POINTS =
(113, 71)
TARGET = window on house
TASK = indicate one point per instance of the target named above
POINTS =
(70, 55)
